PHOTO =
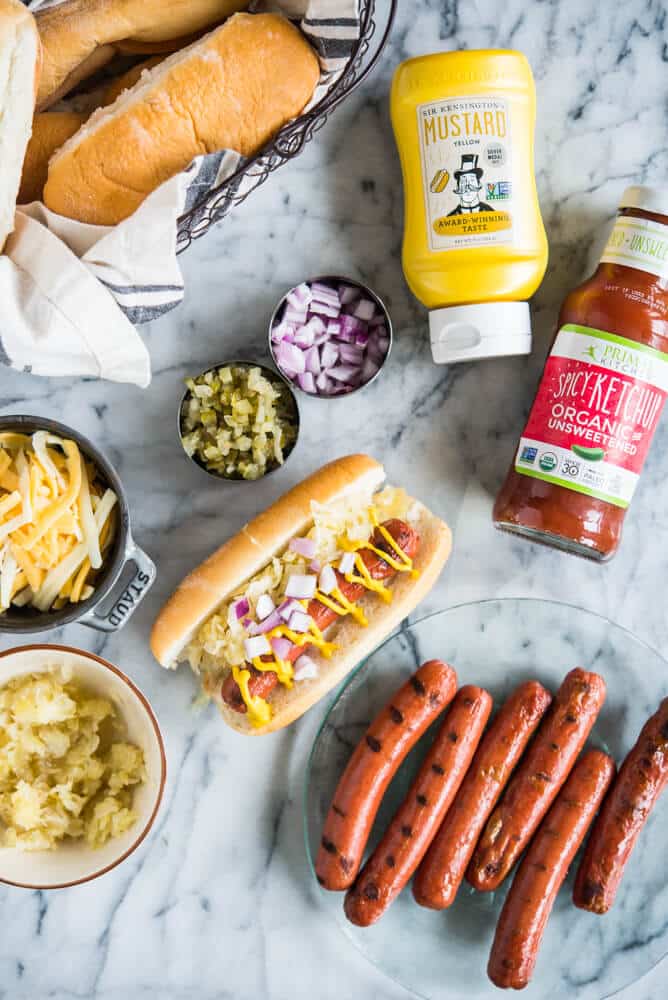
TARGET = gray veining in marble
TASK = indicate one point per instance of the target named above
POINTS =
(218, 902)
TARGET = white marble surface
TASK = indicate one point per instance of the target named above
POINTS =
(219, 903)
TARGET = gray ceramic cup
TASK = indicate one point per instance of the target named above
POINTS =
(114, 600)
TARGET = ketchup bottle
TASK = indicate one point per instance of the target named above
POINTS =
(601, 393)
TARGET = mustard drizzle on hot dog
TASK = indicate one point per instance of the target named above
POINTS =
(258, 709)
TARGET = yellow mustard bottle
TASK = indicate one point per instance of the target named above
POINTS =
(474, 248)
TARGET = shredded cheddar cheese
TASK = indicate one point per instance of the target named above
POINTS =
(56, 521)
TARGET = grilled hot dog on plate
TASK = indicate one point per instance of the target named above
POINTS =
(536, 783)
(416, 821)
(642, 777)
(442, 870)
(375, 761)
(543, 869)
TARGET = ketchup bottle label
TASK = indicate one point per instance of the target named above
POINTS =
(595, 414)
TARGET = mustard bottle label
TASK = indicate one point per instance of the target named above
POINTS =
(465, 153)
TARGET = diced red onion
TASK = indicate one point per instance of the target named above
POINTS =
(270, 622)
(241, 607)
(324, 293)
(257, 646)
(300, 621)
(348, 294)
(347, 563)
(369, 369)
(296, 316)
(345, 373)
(312, 360)
(291, 357)
(365, 309)
(303, 547)
(281, 646)
(306, 382)
(304, 337)
(306, 669)
(246, 622)
(286, 609)
(329, 355)
(315, 566)
(301, 586)
(351, 354)
(330, 340)
(300, 296)
(327, 580)
(264, 606)
(324, 309)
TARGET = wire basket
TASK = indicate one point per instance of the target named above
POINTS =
(292, 138)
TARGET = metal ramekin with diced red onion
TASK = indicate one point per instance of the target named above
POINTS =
(330, 336)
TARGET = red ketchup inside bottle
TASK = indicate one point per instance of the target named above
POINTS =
(600, 396)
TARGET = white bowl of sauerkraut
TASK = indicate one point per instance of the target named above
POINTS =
(82, 766)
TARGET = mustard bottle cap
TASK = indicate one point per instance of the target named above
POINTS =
(483, 330)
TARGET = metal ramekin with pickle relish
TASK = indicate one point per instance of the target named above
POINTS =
(238, 421)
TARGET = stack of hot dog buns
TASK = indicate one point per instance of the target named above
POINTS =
(480, 799)
(19, 75)
(323, 575)
(232, 88)
(80, 36)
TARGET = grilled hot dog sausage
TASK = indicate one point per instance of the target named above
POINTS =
(416, 821)
(536, 783)
(642, 777)
(372, 766)
(442, 870)
(543, 869)
(262, 682)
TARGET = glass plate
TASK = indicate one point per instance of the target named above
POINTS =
(497, 644)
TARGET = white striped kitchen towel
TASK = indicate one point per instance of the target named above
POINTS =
(73, 293)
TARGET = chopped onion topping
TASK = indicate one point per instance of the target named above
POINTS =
(281, 646)
(286, 609)
(332, 343)
(327, 581)
(258, 645)
(301, 586)
(241, 607)
(306, 669)
(300, 621)
(347, 563)
(303, 546)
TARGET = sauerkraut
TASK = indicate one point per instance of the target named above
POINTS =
(219, 643)
(65, 771)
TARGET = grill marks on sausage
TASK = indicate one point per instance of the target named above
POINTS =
(542, 871)
(441, 873)
(538, 779)
(641, 780)
(419, 816)
(375, 760)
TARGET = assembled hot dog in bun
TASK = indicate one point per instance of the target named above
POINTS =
(288, 606)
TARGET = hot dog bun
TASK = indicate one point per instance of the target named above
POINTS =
(78, 36)
(233, 89)
(19, 72)
(50, 129)
(208, 586)
(128, 79)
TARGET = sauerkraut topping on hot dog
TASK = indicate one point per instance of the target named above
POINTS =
(265, 619)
